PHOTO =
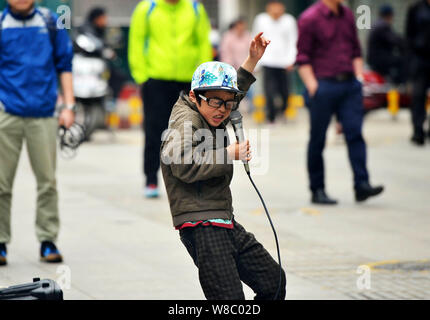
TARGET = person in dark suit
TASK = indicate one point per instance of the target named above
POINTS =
(386, 48)
(418, 36)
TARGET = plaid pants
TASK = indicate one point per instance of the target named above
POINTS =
(225, 257)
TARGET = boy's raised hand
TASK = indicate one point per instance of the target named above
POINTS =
(256, 51)
(258, 46)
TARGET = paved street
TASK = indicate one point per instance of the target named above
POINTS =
(119, 245)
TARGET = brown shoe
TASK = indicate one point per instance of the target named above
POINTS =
(3, 253)
(49, 253)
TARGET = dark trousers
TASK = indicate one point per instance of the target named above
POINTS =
(158, 99)
(275, 90)
(117, 80)
(225, 257)
(345, 100)
(421, 83)
(392, 66)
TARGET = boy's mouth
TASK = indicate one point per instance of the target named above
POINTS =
(218, 118)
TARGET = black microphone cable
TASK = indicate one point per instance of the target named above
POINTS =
(236, 121)
(248, 172)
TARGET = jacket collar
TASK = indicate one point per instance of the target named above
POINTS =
(19, 16)
(170, 5)
(187, 101)
(327, 12)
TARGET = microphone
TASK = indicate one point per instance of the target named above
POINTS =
(236, 121)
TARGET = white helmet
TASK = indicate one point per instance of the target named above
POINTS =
(215, 75)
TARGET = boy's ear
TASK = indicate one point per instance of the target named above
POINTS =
(192, 97)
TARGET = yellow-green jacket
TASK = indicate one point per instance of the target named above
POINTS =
(168, 41)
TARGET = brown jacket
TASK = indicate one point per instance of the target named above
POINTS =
(194, 162)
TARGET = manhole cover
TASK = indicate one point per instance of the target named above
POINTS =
(423, 265)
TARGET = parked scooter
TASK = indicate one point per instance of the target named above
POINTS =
(376, 88)
(90, 81)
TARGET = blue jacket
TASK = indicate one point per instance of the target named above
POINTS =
(32, 52)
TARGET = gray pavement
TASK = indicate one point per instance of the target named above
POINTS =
(119, 245)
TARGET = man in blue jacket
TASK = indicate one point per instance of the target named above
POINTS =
(34, 51)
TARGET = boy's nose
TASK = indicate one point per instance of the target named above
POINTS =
(222, 109)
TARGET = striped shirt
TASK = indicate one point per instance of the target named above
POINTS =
(228, 224)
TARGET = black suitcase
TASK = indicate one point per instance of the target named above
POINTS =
(37, 290)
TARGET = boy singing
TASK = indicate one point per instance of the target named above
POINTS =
(197, 169)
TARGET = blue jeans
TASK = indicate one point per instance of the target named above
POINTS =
(345, 100)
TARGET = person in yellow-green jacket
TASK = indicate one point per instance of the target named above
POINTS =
(168, 39)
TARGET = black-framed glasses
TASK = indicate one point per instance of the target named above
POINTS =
(217, 102)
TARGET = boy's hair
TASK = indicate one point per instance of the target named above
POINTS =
(386, 11)
(95, 13)
(235, 22)
(197, 92)
(275, 1)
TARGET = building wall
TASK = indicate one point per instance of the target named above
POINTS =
(232, 9)
(400, 10)
(220, 11)
(212, 8)
(250, 8)
(119, 11)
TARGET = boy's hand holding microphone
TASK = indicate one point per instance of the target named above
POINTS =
(239, 151)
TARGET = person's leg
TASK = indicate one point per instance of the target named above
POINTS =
(257, 268)
(350, 114)
(117, 80)
(40, 135)
(11, 137)
(270, 92)
(154, 93)
(213, 252)
(321, 108)
(283, 88)
(419, 96)
(398, 69)
(149, 94)
(428, 87)
(159, 98)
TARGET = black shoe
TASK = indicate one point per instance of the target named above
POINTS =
(3, 254)
(49, 252)
(418, 139)
(365, 190)
(320, 197)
